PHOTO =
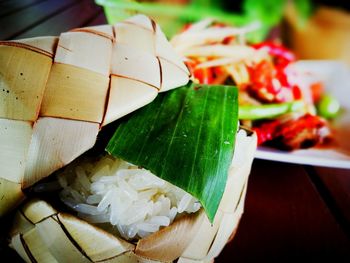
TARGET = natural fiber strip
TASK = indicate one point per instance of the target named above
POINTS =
(184, 70)
(188, 226)
(12, 195)
(37, 248)
(22, 83)
(21, 223)
(125, 95)
(147, 25)
(137, 80)
(38, 212)
(26, 46)
(87, 49)
(95, 32)
(15, 138)
(51, 148)
(130, 63)
(85, 236)
(75, 93)
(16, 244)
(58, 241)
(126, 32)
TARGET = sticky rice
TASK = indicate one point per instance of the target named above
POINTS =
(135, 201)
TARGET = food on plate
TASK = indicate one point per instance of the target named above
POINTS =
(286, 111)
(57, 92)
(171, 187)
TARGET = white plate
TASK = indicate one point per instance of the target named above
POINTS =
(336, 77)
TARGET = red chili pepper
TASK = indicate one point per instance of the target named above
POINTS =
(218, 71)
(297, 93)
(228, 40)
(263, 73)
(282, 76)
(266, 131)
(283, 55)
(204, 75)
(261, 76)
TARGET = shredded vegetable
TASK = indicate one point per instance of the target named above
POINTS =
(268, 111)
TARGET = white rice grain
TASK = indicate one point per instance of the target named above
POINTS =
(106, 201)
(93, 199)
(101, 170)
(147, 194)
(98, 187)
(87, 209)
(148, 227)
(184, 202)
(96, 219)
(82, 178)
(172, 213)
(132, 231)
(76, 195)
(160, 220)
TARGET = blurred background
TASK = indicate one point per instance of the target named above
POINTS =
(314, 29)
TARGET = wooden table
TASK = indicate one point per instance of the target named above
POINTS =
(292, 212)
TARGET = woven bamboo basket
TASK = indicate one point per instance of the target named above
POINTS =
(44, 234)
(74, 84)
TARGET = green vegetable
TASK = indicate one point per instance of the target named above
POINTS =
(269, 13)
(304, 9)
(187, 137)
(328, 107)
(171, 17)
(269, 110)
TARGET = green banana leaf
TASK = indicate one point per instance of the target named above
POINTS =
(186, 137)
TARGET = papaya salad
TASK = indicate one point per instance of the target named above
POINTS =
(284, 112)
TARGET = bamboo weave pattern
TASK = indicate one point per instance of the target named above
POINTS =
(57, 92)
